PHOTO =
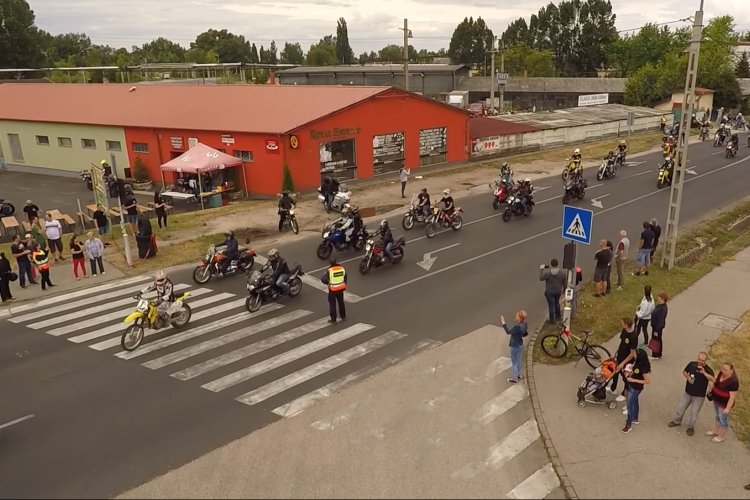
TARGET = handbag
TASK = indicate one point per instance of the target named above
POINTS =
(12, 277)
(654, 344)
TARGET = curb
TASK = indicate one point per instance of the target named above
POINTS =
(570, 492)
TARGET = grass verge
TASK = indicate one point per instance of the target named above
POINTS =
(603, 314)
(735, 348)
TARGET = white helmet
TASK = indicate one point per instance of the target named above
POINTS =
(527, 180)
(577, 151)
(446, 192)
(345, 211)
(622, 141)
(161, 277)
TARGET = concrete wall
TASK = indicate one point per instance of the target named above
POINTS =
(60, 156)
(430, 85)
(553, 138)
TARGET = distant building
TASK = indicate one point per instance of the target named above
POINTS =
(742, 47)
(704, 102)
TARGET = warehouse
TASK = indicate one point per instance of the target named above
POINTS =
(347, 132)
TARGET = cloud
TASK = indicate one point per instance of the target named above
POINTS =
(372, 25)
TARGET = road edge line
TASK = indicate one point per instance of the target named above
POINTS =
(549, 446)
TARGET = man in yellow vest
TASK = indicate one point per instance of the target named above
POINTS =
(335, 278)
(663, 123)
(41, 259)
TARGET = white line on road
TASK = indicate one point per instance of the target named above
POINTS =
(495, 407)
(16, 421)
(539, 235)
(538, 485)
(638, 174)
(316, 283)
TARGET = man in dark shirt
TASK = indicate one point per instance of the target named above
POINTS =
(21, 252)
(645, 244)
(131, 207)
(608, 275)
(603, 260)
(101, 221)
(423, 201)
(656, 228)
(625, 354)
(637, 380)
(31, 210)
(696, 388)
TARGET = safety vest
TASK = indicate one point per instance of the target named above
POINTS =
(663, 120)
(41, 260)
(336, 279)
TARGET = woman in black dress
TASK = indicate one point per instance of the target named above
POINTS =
(161, 211)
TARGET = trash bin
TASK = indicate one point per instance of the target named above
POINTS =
(214, 201)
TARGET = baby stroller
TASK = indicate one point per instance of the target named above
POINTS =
(594, 387)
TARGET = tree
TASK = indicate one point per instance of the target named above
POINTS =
(272, 53)
(370, 57)
(344, 52)
(20, 40)
(522, 58)
(651, 44)
(69, 45)
(227, 46)
(160, 50)
(292, 54)
(263, 55)
(200, 56)
(470, 42)
(395, 53)
(743, 67)
(323, 53)
(140, 174)
(288, 183)
(254, 56)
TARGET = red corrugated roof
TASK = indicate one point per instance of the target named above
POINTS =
(484, 126)
(273, 109)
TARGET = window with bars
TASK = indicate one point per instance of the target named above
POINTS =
(113, 146)
(65, 142)
(140, 147)
(42, 140)
(88, 143)
(246, 156)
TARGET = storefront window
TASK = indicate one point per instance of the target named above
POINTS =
(433, 146)
(338, 159)
(388, 152)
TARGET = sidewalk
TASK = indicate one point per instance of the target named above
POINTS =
(655, 461)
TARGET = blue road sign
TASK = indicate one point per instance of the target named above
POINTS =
(577, 224)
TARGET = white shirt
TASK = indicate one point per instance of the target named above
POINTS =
(645, 308)
(53, 229)
(404, 174)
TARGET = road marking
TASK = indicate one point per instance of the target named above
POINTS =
(502, 452)
(539, 235)
(16, 421)
(285, 358)
(634, 163)
(292, 380)
(330, 423)
(228, 338)
(119, 327)
(200, 330)
(690, 171)
(428, 260)
(495, 407)
(597, 201)
(538, 485)
(312, 398)
(638, 174)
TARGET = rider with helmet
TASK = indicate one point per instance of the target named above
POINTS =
(448, 205)
(735, 141)
(576, 156)
(524, 193)
(622, 147)
(165, 295)
(230, 253)
(353, 226)
(387, 238)
(280, 271)
(286, 203)
(423, 201)
(505, 170)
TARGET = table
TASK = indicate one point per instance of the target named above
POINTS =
(178, 195)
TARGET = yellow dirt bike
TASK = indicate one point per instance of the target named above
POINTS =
(572, 166)
(665, 173)
(146, 315)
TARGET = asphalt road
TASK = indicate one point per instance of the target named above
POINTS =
(104, 423)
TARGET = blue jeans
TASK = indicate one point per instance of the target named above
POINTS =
(388, 249)
(329, 199)
(633, 405)
(553, 303)
(282, 284)
(720, 417)
(426, 208)
(522, 199)
(515, 359)
(24, 270)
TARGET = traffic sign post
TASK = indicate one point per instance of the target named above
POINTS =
(576, 227)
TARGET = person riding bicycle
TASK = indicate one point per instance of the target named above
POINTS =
(387, 240)
(423, 201)
(286, 203)
(230, 253)
(280, 271)
(165, 295)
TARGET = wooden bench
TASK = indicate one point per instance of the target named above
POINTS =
(26, 226)
(11, 225)
(144, 210)
(68, 219)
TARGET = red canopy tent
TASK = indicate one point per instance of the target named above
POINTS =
(201, 159)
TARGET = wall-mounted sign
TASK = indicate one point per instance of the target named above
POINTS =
(192, 142)
(593, 99)
(176, 142)
(335, 132)
(294, 142)
(272, 146)
(485, 144)
(388, 152)
(433, 141)
(337, 155)
(227, 139)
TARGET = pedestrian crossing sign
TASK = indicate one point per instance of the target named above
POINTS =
(577, 224)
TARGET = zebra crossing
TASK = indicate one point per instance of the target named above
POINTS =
(94, 317)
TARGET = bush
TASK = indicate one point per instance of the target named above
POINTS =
(140, 174)
(288, 183)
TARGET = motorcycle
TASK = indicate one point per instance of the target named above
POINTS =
(414, 215)
(85, 176)
(665, 174)
(336, 239)
(375, 254)
(574, 190)
(620, 158)
(438, 218)
(146, 316)
(731, 150)
(572, 165)
(340, 200)
(262, 289)
(720, 137)
(514, 207)
(291, 221)
(606, 170)
(704, 133)
(501, 191)
(7, 209)
(210, 265)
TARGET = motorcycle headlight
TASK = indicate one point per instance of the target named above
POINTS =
(368, 247)
(326, 234)
(250, 287)
(291, 212)
(511, 199)
(142, 306)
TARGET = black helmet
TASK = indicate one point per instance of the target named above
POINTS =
(229, 234)
(285, 193)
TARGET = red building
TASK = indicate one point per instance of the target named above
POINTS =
(348, 132)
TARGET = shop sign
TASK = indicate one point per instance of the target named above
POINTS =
(433, 141)
(485, 144)
(176, 142)
(227, 139)
(294, 142)
(331, 166)
(334, 132)
(388, 147)
(272, 146)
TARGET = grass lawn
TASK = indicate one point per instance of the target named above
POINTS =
(735, 348)
(603, 314)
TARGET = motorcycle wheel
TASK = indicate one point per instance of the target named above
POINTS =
(7, 210)
(202, 275)
(529, 209)
(660, 183)
(295, 287)
(398, 258)
(364, 266)
(566, 198)
(324, 251)
(457, 223)
(431, 230)
(581, 194)
(295, 226)
(716, 142)
(496, 203)
(184, 317)
(408, 222)
(253, 303)
(727, 154)
(132, 338)
(507, 215)
(599, 175)
(565, 175)
(359, 244)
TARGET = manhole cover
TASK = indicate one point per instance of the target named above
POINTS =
(720, 322)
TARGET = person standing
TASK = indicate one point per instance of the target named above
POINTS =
(79, 259)
(335, 278)
(643, 314)
(637, 379)
(624, 355)
(656, 228)
(723, 396)
(53, 230)
(5, 272)
(403, 175)
(658, 323)
(621, 257)
(31, 210)
(37, 231)
(21, 253)
(576, 293)
(608, 275)
(41, 260)
(95, 250)
(29, 242)
(517, 333)
(554, 279)
(696, 387)
(101, 220)
(603, 259)
(160, 208)
(645, 244)
(130, 205)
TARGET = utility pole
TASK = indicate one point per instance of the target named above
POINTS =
(502, 70)
(492, 75)
(678, 177)
(407, 35)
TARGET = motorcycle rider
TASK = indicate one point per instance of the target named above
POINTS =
(505, 170)
(356, 223)
(423, 202)
(286, 203)
(448, 205)
(386, 238)
(576, 155)
(328, 190)
(230, 253)
(524, 193)
(622, 149)
(735, 141)
(165, 291)
(280, 271)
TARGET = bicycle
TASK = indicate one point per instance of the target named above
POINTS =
(556, 345)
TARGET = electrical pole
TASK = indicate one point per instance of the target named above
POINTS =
(407, 35)
(678, 177)
(492, 76)
(502, 70)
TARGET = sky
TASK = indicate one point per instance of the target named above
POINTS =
(372, 25)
